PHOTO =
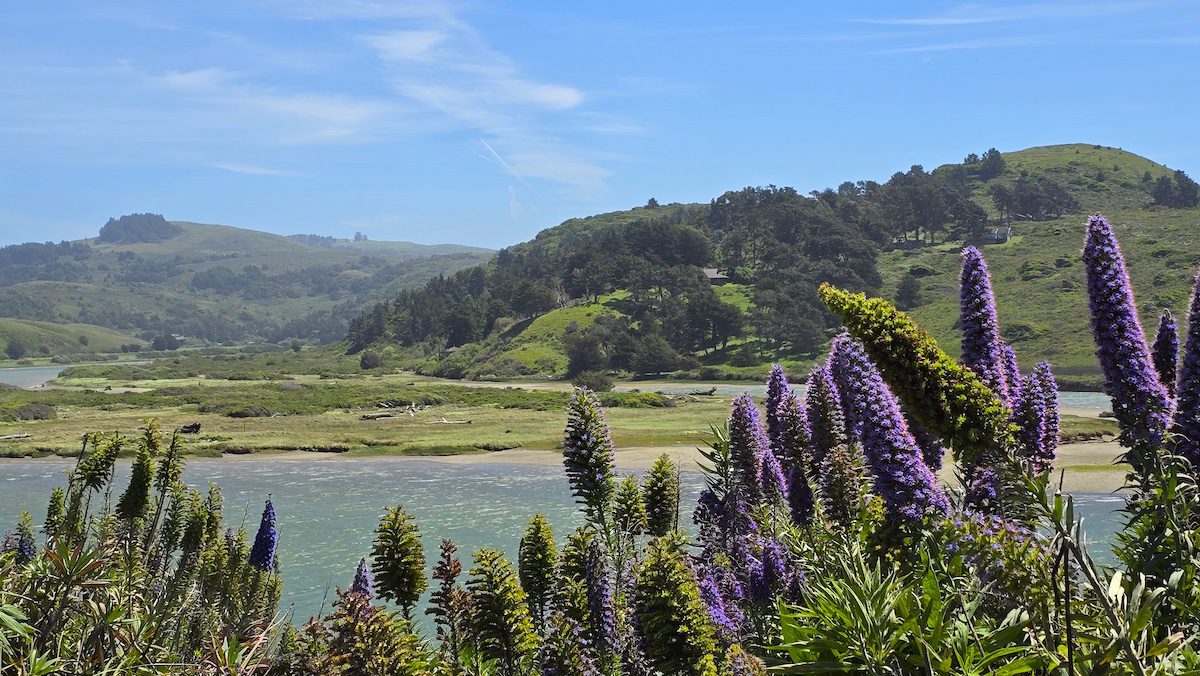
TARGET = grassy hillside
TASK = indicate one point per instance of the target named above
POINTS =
(1040, 287)
(46, 339)
(1038, 274)
(217, 282)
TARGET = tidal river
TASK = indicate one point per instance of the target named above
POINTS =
(328, 509)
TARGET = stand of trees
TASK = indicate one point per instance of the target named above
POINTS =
(1177, 192)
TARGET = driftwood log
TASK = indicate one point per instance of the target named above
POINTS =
(14, 437)
(377, 416)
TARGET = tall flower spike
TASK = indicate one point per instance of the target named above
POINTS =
(825, 419)
(908, 487)
(588, 455)
(747, 443)
(777, 389)
(362, 580)
(982, 348)
(1139, 400)
(774, 481)
(1166, 351)
(262, 554)
(1187, 406)
(794, 442)
(1029, 414)
(602, 619)
(1043, 377)
(1012, 372)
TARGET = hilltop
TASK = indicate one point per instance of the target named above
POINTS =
(722, 289)
(145, 276)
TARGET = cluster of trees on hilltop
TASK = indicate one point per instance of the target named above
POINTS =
(133, 228)
(1177, 191)
(782, 242)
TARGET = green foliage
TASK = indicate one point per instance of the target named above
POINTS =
(537, 561)
(596, 381)
(133, 502)
(660, 494)
(941, 394)
(501, 618)
(676, 632)
(629, 512)
(398, 559)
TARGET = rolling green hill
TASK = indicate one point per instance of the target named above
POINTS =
(39, 339)
(213, 282)
(1037, 274)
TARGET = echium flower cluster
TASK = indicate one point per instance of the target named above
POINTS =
(793, 450)
(826, 423)
(602, 618)
(747, 446)
(1166, 351)
(262, 554)
(982, 348)
(362, 580)
(1187, 405)
(777, 391)
(1037, 418)
(588, 454)
(908, 487)
(1139, 399)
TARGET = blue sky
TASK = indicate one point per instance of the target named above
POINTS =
(483, 122)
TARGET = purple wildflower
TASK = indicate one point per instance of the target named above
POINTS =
(906, 484)
(602, 619)
(768, 572)
(1187, 407)
(262, 554)
(714, 601)
(982, 487)
(774, 483)
(982, 348)
(1012, 372)
(932, 450)
(747, 443)
(20, 543)
(1029, 414)
(800, 496)
(362, 580)
(826, 422)
(588, 454)
(1166, 351)
(1139, 399)
(1043, 377)
(794, 440)
(777, 390)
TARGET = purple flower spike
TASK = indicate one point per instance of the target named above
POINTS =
(908, 487)
(714, 601)
(1187, 406)
(262, 554)
(588, 454)
(602, 617)
(1043, 378)
(1139, 400)
(982, 348)
(777, 390)
(1012, 373)
(794, 441)
(1029, 414)
(747, 444)
(825, 419)
(774, 483)
(362, 580)
(1166, 351)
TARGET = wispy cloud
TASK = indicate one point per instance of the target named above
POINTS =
(973, 14)
(438, 61)
(982, 43)
(290, 116)
(252, 169)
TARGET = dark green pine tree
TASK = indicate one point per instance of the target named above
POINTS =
(661, 497)
(501, 619)
(537, 561)
(398, 559)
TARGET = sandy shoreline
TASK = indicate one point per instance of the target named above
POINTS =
(1089, 466)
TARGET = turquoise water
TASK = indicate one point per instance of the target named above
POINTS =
(30, 376)
(328, 509)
